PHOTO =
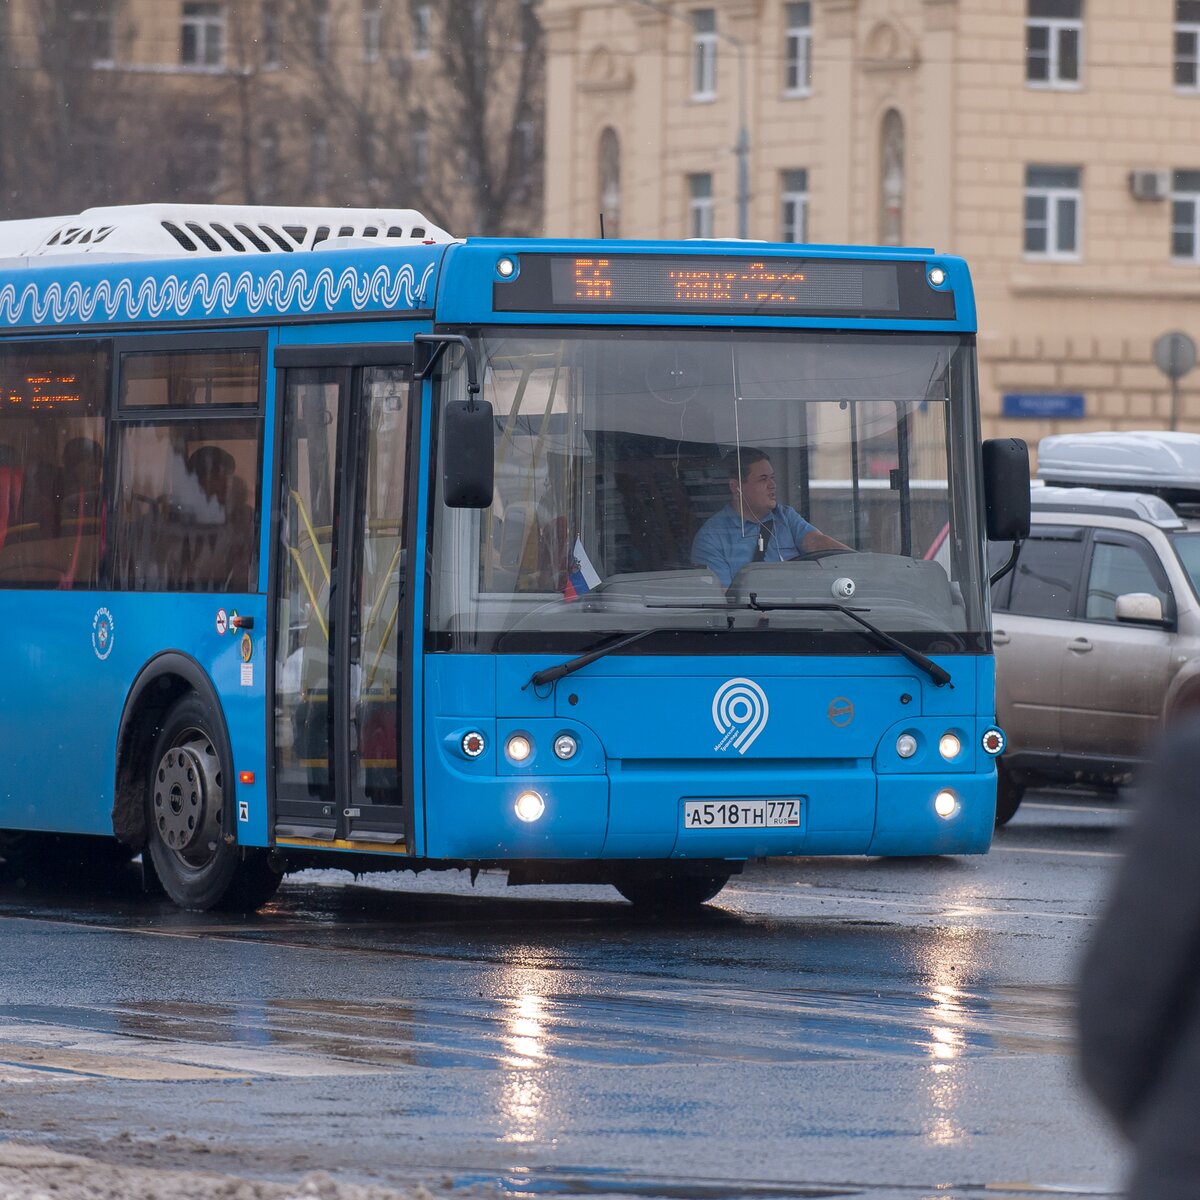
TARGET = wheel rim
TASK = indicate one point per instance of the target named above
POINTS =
(188, 799)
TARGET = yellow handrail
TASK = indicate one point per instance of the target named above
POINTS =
(312, 533)
(304, 579)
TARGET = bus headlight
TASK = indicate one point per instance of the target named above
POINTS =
(518, 748)
(949, 745)
(906, 745)
(565, 746)
(529, 806)
(945, 803)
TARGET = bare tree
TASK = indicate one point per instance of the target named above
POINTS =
(391, 103)
(446, 117)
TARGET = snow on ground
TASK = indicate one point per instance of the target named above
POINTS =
(34, 1173)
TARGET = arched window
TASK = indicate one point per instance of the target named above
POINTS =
(610, 182)
(891, 179)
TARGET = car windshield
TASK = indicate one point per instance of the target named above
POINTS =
(662, 479)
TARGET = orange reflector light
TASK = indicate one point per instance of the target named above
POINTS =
(245, 777)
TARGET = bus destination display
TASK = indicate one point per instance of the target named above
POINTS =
(754, 285)
(37, 393)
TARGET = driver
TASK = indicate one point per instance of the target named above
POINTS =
(753, 526)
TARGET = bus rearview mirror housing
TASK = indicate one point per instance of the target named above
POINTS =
(1006, 489)
(468, 469)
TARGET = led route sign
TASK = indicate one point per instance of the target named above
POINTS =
(737, 284)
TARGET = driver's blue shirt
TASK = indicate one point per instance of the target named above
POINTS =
(727, 540)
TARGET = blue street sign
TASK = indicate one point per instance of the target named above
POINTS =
(1043, 405)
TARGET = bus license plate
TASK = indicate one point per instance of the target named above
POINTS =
(741, 814)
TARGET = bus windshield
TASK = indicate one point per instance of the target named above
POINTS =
(669, 480)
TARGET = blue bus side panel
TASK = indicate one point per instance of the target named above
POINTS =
(66, 681)
(203, 290)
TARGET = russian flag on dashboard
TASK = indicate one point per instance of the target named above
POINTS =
(581, 575)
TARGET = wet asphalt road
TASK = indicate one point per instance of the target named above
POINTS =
(878, 1028)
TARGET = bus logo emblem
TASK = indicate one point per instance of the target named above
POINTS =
(739, 711)
(102, 633)
(841, 711)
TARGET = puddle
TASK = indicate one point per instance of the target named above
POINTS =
(663, 1023)
(595, 1185)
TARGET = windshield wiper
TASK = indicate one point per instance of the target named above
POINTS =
(939, 675)
(553, 674)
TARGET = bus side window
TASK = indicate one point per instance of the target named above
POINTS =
(188, 489)
(53, 432)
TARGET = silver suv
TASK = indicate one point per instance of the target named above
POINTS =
(1097, 628)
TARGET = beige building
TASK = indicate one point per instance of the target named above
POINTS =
(1055, 144)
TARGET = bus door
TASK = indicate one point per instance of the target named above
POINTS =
(341, 701)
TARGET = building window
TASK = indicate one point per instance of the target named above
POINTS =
(92, 32)
(203, 35)
(527, 27)
(891, 179)
(207, 155)
(321, 30)
(1185, 216)
(700, 206)
(797, 50)
(704, 54)
(1053, 42)
(1187, 45)
(318, 162)
(268, 163)
(526, 146)
(272, 34)
(372, 30)
(420, 145)
(794, 226)
(610, 182)
(422, 18)
(1052, 210)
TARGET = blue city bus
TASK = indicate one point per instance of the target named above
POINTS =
(327, 539)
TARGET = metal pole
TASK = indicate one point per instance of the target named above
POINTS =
(1174, 402)
(742, 149)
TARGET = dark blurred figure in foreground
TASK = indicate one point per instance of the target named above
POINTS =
(1139, 1002)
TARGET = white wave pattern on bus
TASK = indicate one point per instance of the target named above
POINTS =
(215, 295)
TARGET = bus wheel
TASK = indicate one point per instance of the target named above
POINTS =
(184, 813)
(670, 891)
(1008, 795)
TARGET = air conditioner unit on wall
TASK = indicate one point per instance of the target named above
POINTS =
(1149, 185)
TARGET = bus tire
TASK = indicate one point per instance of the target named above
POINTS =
(658, 890)
(1009, 794)
(185, 797)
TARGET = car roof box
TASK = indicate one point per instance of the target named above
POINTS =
(1153, 461)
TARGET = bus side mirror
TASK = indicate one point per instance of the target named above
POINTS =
(1006, 489)
(468, 440)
